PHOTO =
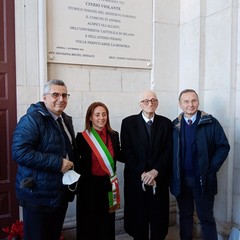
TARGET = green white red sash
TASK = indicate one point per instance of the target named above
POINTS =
(106, 162)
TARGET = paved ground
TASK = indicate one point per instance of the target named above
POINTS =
(172, 235)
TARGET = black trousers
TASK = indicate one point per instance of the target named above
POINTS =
(189, 197)
(94, 221)
(152, 224)
(47, 225)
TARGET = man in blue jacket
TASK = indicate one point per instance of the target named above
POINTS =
(44, 153)
(200, 147)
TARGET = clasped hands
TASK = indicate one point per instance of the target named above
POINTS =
(148, 178)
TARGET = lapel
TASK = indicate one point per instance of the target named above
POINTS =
(68, 125)
(144, 137)
(156, 130)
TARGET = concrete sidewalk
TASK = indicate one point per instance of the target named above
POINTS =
(173, 234)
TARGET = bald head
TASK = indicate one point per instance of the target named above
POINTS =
(148, 102)
(148, 94)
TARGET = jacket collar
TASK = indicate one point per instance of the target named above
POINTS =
(204, 118)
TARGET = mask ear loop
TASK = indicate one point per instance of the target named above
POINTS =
(76, 184)
(73, 190)
(154, 187)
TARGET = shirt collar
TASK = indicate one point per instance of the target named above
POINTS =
(147, 119)
(103, 131)
(193, 118)
(55, 116)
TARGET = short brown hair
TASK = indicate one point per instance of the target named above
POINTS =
(186, 91)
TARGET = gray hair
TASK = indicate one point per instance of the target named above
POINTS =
(49, 83)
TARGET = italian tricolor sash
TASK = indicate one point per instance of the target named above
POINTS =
(106, 162)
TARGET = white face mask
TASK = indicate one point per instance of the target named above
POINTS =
(70, 177)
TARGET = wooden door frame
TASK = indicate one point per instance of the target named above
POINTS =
(9, 210)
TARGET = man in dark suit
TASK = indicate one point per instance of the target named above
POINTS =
(146, 151)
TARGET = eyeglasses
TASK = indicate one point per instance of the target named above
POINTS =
(56, 95)
(147, 101)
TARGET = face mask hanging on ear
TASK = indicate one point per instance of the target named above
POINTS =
(70, 177)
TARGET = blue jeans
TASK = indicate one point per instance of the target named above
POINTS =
(190, 195)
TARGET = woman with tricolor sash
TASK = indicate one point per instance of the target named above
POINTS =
(98, 190)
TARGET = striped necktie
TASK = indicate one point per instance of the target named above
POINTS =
(189, 122)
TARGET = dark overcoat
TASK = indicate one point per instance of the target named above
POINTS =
(140, 154)
(213, 148)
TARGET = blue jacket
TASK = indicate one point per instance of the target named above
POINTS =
(38, 148)
(212, 150)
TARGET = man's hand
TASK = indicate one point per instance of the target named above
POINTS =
(66, 165)
(148, 177)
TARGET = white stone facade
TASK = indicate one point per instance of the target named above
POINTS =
(196, 45)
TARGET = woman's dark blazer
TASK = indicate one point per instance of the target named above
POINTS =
(84, 165)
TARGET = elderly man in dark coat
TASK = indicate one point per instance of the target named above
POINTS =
(146, 140)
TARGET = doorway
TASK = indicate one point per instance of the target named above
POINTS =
(9, 210)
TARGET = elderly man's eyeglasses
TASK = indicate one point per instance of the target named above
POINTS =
(147, 101)
(56, 95)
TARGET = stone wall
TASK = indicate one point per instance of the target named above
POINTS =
(196, 45)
